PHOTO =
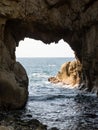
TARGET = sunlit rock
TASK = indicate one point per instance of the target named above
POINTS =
(69, 74)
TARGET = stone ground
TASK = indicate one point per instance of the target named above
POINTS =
(9, 121)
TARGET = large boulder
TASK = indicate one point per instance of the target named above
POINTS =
(13, 88)
(69, 73)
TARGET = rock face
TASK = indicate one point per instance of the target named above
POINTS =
(70, 74)
(48, 20)
(13, 88)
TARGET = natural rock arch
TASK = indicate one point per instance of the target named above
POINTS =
(74, 21)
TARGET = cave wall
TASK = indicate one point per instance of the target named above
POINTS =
(75, 21)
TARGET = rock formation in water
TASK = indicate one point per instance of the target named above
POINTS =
(48, 20)
(69, 74)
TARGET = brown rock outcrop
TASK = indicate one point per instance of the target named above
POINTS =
(51, 20)
(69, 73)
(13, 88)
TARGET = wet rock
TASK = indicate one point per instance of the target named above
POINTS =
(29, 115)
(53, 80)
(54, 128)
(11, 123)
(6, 128)
(91, 115)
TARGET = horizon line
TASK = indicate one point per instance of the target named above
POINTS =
(45, 57)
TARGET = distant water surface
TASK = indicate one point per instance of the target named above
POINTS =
(57, 105)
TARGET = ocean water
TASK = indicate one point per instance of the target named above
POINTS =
(57, 105)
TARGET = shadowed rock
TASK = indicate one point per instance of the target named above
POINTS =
(13, 88)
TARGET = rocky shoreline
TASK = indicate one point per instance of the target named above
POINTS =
(13, 121)
(69, 74)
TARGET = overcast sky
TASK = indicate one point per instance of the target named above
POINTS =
(35, 48)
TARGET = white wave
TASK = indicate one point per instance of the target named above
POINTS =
(38, 75)
(61, 85)
(71, 86)
(52, 65)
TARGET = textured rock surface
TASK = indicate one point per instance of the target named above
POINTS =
(14, 124)
(70, 74)
(51, 20)
(13, 87)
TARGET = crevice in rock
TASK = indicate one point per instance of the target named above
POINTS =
(57, 4)
(89, 4)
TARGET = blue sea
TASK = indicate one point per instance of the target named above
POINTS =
(54, 104)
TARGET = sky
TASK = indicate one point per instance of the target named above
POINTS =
(35, 48)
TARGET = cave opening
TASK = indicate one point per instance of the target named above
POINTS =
(39, 58)
(53, 104)
(45, 100)
(36, 48)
